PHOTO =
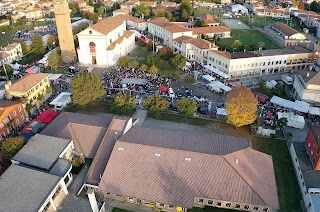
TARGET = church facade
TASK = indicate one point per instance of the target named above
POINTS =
(105, 42)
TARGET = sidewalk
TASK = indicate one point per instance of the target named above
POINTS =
(141, 115)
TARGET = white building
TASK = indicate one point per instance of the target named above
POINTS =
(105, 42)
(134, 22)
(194, 49)
(307, 88)
(256, 63)
(10, 53)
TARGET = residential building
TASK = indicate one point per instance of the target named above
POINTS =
(33, 13)
(133, 22)
(105, 42)
(12, 115)
(28, 88)
(274, 13)
(308, 178)
(129, 5)
(194, 49)
(168, 4)
(312, 145)
(209, 20)
(149, 3)
(10, 53)
(173, 31)
(211, 32)
(175, 176)
(256, 63)
(65, 34)
(81, 4)
(87, 9)
(306, 87)
(284, 35)
(4, 22)
(121, 12)
(312, 20)
(39, 175)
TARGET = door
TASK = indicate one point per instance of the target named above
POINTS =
(94, 60)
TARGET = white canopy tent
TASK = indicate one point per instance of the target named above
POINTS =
(301, 106)
(295, 121)
(216, 71)
(15, 66)
(221, 111)
(53, 77)
(208, 78)
(314, 111)
(220, 85)
(282, 102)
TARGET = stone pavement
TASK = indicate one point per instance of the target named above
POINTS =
(141, 115)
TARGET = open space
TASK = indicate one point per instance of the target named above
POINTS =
(140, 52)
(247, 38)
(234, 24)
(202, 11)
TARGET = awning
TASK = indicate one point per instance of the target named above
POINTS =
(314, 111)
(301, 106)
(163, 89)
(208, 78)
(54, 77)
(216, 71)
(134, 81)
(46, 116)
(282, 102)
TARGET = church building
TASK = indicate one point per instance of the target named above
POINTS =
(105, 42)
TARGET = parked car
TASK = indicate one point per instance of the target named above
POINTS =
(179, 94)
(198, 98)
(171, 93)
(141, 90)
(173, 105)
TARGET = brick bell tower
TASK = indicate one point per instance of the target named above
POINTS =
(64, 27)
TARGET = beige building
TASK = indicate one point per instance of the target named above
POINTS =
(264, 62)
(284, 35)
(65, 35)
(4, 22)
(274, 13)
(10, 53)
(129, 5)
(133, 22)
(121, 12)
(211, 32)
(28, 88)
(149, 3)
(87, 9)
(194, 49)
(209, 20)
(306, 87)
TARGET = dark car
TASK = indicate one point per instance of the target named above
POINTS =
(173, 105)
(179, 94)
(141, 90)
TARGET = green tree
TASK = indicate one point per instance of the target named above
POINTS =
(123, 103)
(301, 5)
(91, 16)
(156, 104)
(143, 67)
(186, 107)
(142, 10)
(150, 46)
(186, 9)
(201, 23)
(166, 53)
(9, 70)
(10, 146)
(101, 10)
(86, 89)
(133, 64)
(241, 106)
(315, 6)
(52, 41)
(154, 60)
(178, 61)
(37, 45)
(236, 44)
(54, 60)
(189, 79)
(282, 122)
(154, 69)
(74, 8)
(123, 62)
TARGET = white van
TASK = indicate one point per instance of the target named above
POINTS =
(287, 79)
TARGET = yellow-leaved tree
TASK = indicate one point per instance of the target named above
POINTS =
(241, 107)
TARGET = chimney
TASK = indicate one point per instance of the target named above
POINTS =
(7, 85)
(308, 74)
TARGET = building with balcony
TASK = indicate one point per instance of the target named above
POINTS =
(105, 42)
(284, 35)
(29, 88)
(176, 174)
(306, 87)
(10, 53)
(194, 49)
(264, 62)
(39, 176)
(12, 115)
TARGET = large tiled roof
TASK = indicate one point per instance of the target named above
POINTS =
(213, 29)
(106, 25)
(208, 143)
(126, 34)
(284, 29)
(176, 28)
(175, 177)
(200, 43)
(27, 82)
(23, 189)
(86, 131)
(41, 151)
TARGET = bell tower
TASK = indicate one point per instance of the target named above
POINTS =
(64, 27)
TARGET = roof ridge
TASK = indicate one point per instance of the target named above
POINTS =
(72, 131)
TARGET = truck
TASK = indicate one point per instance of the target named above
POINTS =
(287, 79)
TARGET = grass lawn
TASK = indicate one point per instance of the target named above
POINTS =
(180, 119)
(140, 52)
(288, 191)
(206, 11)
(247, 37)
(267, 21)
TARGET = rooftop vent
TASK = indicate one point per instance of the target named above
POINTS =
(308, 74)
(121, 149)
(237, 161)
(157, 155)
(188, 159)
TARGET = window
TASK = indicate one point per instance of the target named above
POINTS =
(9, 117)
(237, 206)
(300, 176)
(201, 201)
(228, 205)
(37, 86)
(130, 199)
(22, 117)
(265, 209)
(309, 144)
(255, 208)
(45, 80)
(210, 202)
(108, 193)
(17, 122)
(246, 207)
(219, 204)
(19, 108)
(14, 113)
(170, 206)
(161, 205)
(311, 152)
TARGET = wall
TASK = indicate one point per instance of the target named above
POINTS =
(313, 150)
(17, 114)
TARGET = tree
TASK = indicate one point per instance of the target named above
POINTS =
(186, 107)
(241, 106)
(150, 46)
(156, 104)
(178, 61)
(166, 53)
(133, 64)
(296, 3)
(52, 41)
(10, 146)
(101, 10)
(142, 10)
(315, 6)
(74, 8)
(282, 122)
(123, 103)
(123, 62)
(236, 44)
(9, 70)
(154, 69)
(301, 5)
(143, 67)
(54, 60)
(87, 88)
(91, 16)
(201, 23)
(154, 60)
(37, 45)
(186, 9)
